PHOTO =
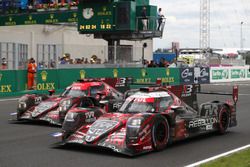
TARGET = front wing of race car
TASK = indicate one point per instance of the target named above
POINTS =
(112, 135)
(51, 117)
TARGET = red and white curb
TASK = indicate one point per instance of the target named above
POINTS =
(218, 156)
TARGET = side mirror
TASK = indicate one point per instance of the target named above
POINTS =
(51, 92)
(100, 93)
(178, 109)
(103, 102)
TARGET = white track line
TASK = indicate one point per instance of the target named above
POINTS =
(244, 94)
(218, 156)
(3, 100)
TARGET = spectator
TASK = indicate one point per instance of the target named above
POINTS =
(162, 62)
(152, 64)
(145, 62)
(71, 61)
(31, 73)
(93, 59)
(52, 64)
(63, 60)
(67, 57)
(160, 17)
(4, 64)
(144, 18)
(105, 61)
(86, 61)
(166, 63)
(174, 63)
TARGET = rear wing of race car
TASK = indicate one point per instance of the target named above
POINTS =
(234, 94)
(120, 84)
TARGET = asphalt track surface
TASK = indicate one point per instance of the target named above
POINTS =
(30, 145)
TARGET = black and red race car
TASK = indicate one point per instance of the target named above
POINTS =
(53, 109)
(149, 119)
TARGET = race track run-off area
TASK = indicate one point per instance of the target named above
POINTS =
(30, 144)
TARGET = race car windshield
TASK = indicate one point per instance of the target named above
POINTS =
(137, 106)
(74, 92)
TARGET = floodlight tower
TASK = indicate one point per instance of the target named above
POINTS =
(204, 24)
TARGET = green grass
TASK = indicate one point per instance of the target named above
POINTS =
(239, 159)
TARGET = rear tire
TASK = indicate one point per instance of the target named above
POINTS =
(223, 120)
(160, 133)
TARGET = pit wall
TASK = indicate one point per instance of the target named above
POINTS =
(14, 82)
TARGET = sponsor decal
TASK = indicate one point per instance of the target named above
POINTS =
(111, 146)
(115, 73)
(187, 90)
(147, 148)
(238, 73)
(201, 122)
(120, 82)
(90, 117)
(45, 86)
(117, 105)
(51, 19)
(201, 75)
(42, 107)
(143, 72)
(5, 88)
(204, 72)
(168, 80)
(30, 20)
(220, 74)
(187, 75)
(82, 74)
(104, 12)
(88, 13)
(144, 133)
(10, 22)
(143, 80)
(209, 110)
(38, 100)
(98, 128)
(44, 75)
(167, 71)
(76, 138)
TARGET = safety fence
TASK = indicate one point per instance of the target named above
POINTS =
(13, 82)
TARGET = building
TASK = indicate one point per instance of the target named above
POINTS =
(49, 42)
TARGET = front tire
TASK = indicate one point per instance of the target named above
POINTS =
(160, 133)
(223, 120)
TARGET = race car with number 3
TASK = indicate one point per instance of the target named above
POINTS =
(149, 119)
(53, 109)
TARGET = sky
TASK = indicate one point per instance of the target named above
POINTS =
(183, 23)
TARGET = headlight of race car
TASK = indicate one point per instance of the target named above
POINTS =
(133, 127)
(70, 124)
(22, 105)
(64, 105)
(70, 117)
